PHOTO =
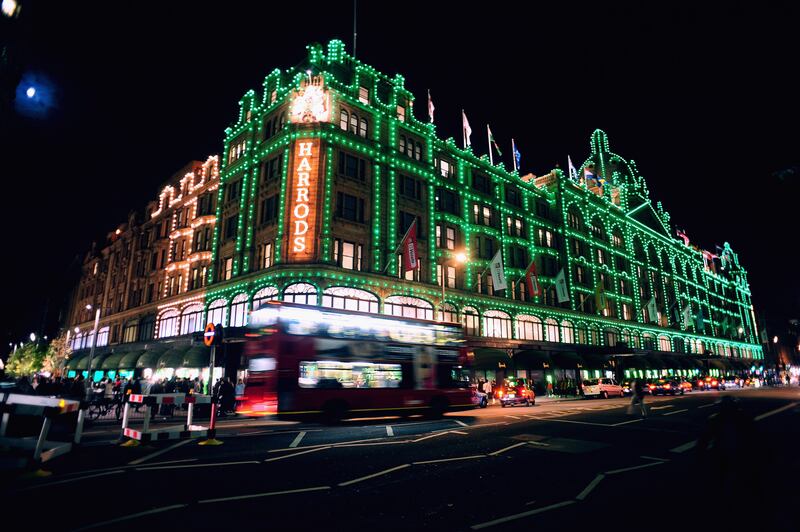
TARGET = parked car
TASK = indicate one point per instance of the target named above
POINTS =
(515, 392)
(707, 383)
(604, 388)
(667, 387)
(686, 385)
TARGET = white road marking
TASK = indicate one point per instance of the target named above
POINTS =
(661, 407)
(450, 459)
(539, 444)
(515, 417)
(158, 453)
(529, 503)
(323, 445)
(379, 473)
(655, 458)
(626, 422)
(133, 516)
(706, 406)
(297, 454)
(389, 431)
(676, 412)
(430, 436)
(615, 471)
(213, 464)
(460, 422)
(592, 485)
(577, 422)
(459, 432)
(268, 494)
(776, 411)
(685, 447)
(368, 444)
(297, 439)
(504, 449)
(519, 516)
(48, 484)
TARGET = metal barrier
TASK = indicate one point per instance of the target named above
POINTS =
(146, 434)
(47, 408)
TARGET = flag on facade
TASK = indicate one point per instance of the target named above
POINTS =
(430, 106)
(675, 312)
(561, 287)
(532, 280)
(498, 274)
(517, 154)
(409, 245)
(600, 298)
(492, 142)
(573, 173)
(687, 316)
(683, 237)
(699, 322)
(589, 177)
(652, 310)
(466, 130)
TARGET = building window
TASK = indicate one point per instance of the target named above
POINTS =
(515, 227)
(270, 293)
(551, 328)
(227, 271)
(264, 257)
(168, 324)
(401, 144)
(348, 254)
(448, 313)
(409, 187)
(481, 183)
(401, 113)
(448, 239)
(611, 337)
(447, 201)
(446, 169)
(616, 239)
(664, 344)
(352, 167)
(239, 311)
(234, 190)
(482, 215)
(496, 324)
(102, 337)
(340, 297)
(567, 332)
(408, 307)
(353, 123)
(302, 293)
(363, 95)
(574, 219)
(231, 226)
(451, 275)
(269, 210)
(217, 312)
(344, 119)
(529, 328)
(408, 275)
(513, 196)
(147, 328)
(471, 321)
(363, 128)
(192, 319)
(271, 169)
(349, 207)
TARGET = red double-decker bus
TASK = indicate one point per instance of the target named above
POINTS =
(304, 360)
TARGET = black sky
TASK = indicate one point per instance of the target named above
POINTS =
(704, 100)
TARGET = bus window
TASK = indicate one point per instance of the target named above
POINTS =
(261, 364)
(338, 374)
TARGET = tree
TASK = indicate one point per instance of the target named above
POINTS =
(57, 353)
(26, 360)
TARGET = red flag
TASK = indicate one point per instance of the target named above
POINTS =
(410, 248)
(532, 280)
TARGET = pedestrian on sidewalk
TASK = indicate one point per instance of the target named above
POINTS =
(549, 388)
(487, 389)
(637, 398)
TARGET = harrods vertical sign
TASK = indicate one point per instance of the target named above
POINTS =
(305, 186)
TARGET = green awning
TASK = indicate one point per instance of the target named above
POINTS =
(128, 360)
(97, 360)
(74, 359)
(566, 359)
(112, 360)
(490, 358)
(530, 359)
(172, 358)
(198, 356)
(149, 359)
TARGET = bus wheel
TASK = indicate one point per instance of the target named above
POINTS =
(438, 407)
(334, 411)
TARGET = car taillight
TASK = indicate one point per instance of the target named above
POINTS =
(667, 386)
(713, 383)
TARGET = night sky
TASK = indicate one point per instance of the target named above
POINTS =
(704, 101)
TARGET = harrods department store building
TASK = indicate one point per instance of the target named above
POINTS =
(323, 172)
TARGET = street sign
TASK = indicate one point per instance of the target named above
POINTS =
(208, 335)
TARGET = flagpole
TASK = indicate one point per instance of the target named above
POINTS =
(514, 154)
(489, 141)
(388, 262)
(463, 131)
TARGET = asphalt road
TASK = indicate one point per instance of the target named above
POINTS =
(559, 466)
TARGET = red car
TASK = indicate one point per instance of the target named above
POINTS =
(515, 392)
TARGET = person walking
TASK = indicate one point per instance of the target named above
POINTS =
(487, 389)
(637, 398)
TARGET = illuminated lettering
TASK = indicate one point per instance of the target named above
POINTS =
(300, 227)
(302, 179)
(302, 194)
(302, 202)
(300, 210)
(304, 165)
(299, 244)
(305, 151)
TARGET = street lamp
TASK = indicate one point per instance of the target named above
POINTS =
(33, 337)
(458, 258)
(94, 342)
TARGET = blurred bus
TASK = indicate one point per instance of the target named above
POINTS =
(304, 360)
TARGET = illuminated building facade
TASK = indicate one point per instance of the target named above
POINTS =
(325, 169)
(327, 166)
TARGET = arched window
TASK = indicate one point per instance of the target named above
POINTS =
(168, 324)
(574, 218)
(651, 252)
(410, 147)
(665, 262)
(408, 307)
(551, 328)
(129, 331)
(568, 332)
(239, 310)
(594, 335)
(350, 299)
(680, 346)
(616, 238)
(529, 328)
(496, 324)
(102, 337)
(581, 334)
(362, 131)
(76, 341)
(147, 328)
(216, 312)
(402, 145)
(664, 344)
(192, 319)
(269, 293)
(648, 342)
(449, 314)
(611, 336)
(418, 151)
(598, 229)
(353, 123)
(303, 293)
(471, 321)
(638, 250)
(344, 119)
